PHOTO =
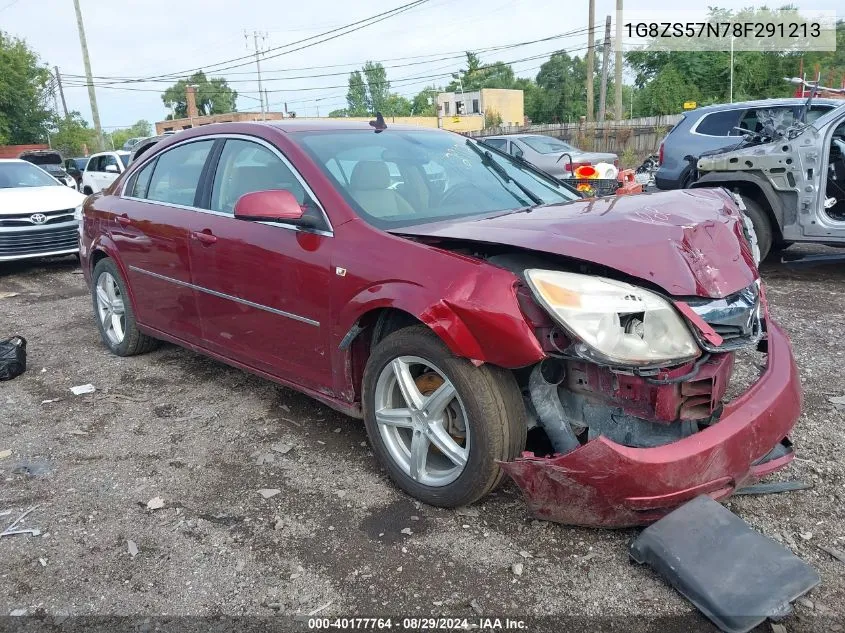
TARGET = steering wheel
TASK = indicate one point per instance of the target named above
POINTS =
(456, 191)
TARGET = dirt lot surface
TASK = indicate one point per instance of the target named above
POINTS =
(338, 536)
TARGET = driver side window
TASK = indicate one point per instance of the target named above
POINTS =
(245, 167)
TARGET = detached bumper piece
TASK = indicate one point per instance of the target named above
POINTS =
(736, 576)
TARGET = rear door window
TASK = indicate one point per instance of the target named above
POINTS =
(141, 183)
(719, 123)
(499, 143)
(177, 173)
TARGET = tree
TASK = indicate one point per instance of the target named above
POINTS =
(378, 87)
(139, 129)
(356, 97)
(665, 94)
(477, 76)
(425, 102)
(23, 93)
(214, 96)
(339, 114)
(72, 136)
(396, 105)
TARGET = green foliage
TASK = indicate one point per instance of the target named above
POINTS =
(139, 129)
(477, 76)
(339, 114)
(378, 87)
(369, 92)
(72, 136)
(425, 102)
(356, 97)
(23, 93)
(665, 94)
(214, 96)
(492, 118)
(396, 105)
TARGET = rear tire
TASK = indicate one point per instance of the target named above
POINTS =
(486, 401)
(114, 314)
(762, 226)
(87, 191)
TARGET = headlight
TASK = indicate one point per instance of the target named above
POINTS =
(615, 323)
(77, 213)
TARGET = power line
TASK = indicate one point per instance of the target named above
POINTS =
(10, 5)
(401, 80)
(458, 54)
(334, 33)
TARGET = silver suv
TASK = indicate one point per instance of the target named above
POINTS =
(791, 178)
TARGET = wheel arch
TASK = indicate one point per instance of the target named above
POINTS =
(101, 249)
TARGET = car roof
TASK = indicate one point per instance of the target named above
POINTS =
(14, 160)
(760, 103)
(119, 152)
(314, 125)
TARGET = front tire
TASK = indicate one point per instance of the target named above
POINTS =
(436, 422)
(762, 225)
(114, 313)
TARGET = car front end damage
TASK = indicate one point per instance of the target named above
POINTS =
(629, 444)
(663, 376)
(644, 449)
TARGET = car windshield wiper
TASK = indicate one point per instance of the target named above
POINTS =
(488, 161)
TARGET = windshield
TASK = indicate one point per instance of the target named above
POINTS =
(23, 174)
(401, 178)
(546, 144)
(124, 158)
(80, 163)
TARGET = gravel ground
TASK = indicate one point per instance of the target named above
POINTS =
(205, 438)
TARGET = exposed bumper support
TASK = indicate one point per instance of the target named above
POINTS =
(603, 483)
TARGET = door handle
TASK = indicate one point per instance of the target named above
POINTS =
(204, 237)
(124, 220)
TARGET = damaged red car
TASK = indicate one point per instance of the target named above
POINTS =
(481, 317)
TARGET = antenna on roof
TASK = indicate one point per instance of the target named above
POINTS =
(378, 123)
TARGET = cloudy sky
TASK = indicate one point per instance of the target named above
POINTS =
(142, 39)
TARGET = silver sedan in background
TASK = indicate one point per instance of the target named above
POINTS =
(547, 152)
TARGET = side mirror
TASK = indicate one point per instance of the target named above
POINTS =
(274, 205)
(112, 169)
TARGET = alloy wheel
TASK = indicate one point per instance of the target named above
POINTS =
(422, 421)
(110, 308)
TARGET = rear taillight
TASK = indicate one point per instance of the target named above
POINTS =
(660, 154)
(574, 166)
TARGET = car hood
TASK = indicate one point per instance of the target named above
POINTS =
(20, 200)
(687, 242)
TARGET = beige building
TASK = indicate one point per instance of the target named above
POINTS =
(464, 111)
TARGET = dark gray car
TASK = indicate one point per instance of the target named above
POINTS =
(713, 128)
(544, 152)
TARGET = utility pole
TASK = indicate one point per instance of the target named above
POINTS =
(258, 50)
(591, 58)
(605, 60)
(61, 90)
(92, 96)
(617, 67)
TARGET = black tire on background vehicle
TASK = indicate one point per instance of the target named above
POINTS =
(116, 323)
(487, 400)
(87, 191)
(762, 225)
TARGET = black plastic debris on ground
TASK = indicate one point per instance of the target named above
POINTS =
(736, 576)
(12, 357)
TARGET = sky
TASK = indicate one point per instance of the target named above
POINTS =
(131, 38)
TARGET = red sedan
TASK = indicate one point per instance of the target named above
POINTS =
(477, 314)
